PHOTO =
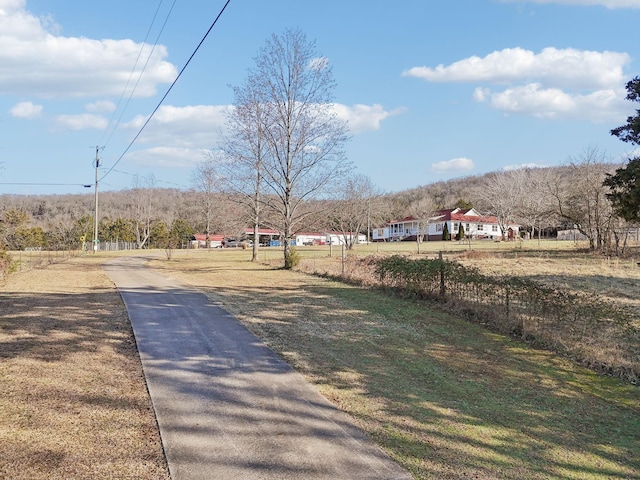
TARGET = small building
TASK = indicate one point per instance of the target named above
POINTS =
(328, 238)
(199, 240)
(266, 236)
(343, 238)
(572, 234)
(310, 238)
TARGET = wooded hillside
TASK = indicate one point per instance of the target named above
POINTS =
(540, 199)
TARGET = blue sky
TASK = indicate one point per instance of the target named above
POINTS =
(432, 90)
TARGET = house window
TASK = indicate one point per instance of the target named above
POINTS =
(438, 227)
(494, 228)
(455, 227)
(480, 227)
(467, 227)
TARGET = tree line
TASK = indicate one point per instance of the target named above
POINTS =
(541, 199)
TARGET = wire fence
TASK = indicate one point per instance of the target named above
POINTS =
(32, 258)
(594, 331)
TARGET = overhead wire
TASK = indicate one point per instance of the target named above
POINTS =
(45, 184)
(133, 69)
(159, 181)
(144, 67)
(167, 92)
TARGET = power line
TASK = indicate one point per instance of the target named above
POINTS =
(45, 184)
(144, 67)
(159, 181)
(133, 68)
(168, 90)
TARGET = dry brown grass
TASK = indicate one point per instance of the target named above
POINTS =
(74, 404)
(617, 280)
(559, 264)
(443, 396)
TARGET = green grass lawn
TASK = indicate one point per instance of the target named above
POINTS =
(445, 398)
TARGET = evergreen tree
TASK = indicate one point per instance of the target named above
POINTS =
(625, 183)
(445, 232)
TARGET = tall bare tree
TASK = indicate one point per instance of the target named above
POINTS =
(500, 197)
(206, 181)
(244, 147)
(423, 209)
(143, 208)
(352, 211)
(533, 204)
(303, 138)
(580, 197)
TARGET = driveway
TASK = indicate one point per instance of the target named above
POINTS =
(227, 406)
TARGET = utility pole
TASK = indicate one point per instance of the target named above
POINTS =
(95, 216)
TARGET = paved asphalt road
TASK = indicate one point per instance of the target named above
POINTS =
(227, 406)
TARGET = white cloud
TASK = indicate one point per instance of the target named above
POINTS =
(585, 3)
(167, 157)
(100, 106)
(553, 84)
(81, 122)
(461, 164)
(26, 110)
(362, 118)
(195, 126)
(35, 60)
(558, 67)
(553, 103)
(180, 134)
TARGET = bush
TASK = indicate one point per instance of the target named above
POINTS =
(291, 259)
(7, 265)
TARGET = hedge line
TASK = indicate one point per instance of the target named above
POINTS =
(589, 329)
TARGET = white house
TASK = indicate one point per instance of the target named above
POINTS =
(475, 225)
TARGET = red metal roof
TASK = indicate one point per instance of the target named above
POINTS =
(457, 215)
(202, 237)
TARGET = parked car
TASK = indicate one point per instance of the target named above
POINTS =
(238, 243)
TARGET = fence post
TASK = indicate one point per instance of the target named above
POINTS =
(442, 285)
(506, 299)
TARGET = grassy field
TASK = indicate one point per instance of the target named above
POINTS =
(560, 264)
(73, 401)
(445, 398)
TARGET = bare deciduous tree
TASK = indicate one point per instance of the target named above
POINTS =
(303, 138)
(423, 210)
(533, 204)
(142, 210)
(352, 211)
(580, 197)
(206, 181)
(500, 197)
(244, 147)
